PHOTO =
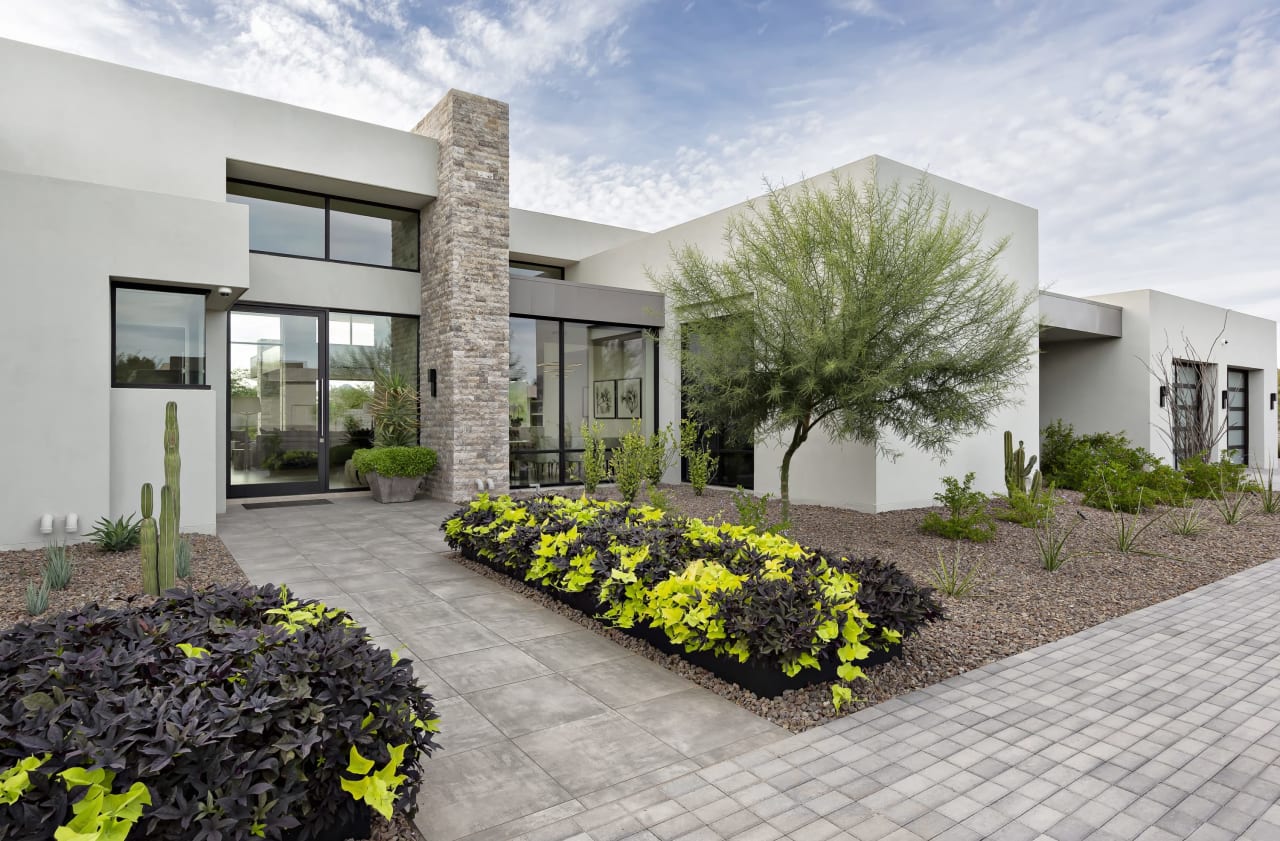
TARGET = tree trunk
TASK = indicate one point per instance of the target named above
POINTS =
(797, 438)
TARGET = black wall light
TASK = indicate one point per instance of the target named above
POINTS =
(1164, 394)
(1273, 401)
(431, 381)
(1224, 399)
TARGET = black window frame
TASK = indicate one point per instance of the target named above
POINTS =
(151, 287)
(328, 198)
(562, 450)
(556, 272)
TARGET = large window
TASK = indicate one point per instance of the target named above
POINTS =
(1193, 421)
(563, 374)
(157, 337)
(735, 456)
(296, 223)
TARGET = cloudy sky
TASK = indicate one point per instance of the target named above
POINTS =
(1147, 133)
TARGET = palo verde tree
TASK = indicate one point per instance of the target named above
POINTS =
(874, 313)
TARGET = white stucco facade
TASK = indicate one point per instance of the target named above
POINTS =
(111, 175)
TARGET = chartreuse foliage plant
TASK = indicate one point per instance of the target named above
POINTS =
(720, 588)
(231, 713)
(696, 451)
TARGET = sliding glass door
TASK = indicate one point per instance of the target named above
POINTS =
(275, 444)
(300, 385)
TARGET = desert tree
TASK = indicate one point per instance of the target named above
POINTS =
(872, 312)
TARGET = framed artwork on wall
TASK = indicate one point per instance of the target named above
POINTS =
(630, 404)
(605, 399)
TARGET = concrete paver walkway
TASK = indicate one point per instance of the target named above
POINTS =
(540, 718)
(1163, 724)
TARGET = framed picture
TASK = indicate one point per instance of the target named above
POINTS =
(630, 404)
(605, 399)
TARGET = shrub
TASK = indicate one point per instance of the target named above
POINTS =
(291, 460)
(394, 407)
(234, 713)
(37, 597)
(753, 512)
(630, 463)
(662, 452)
(1268, 495)
(693, 447)
(724, 589)
(595, 463)
(116, 535)
(405, 462)
(1027, 508)
(967, 509)
(1208, 479)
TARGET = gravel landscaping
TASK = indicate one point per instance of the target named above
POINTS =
(1016, 606)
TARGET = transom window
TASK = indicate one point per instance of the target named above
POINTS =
(296, 223)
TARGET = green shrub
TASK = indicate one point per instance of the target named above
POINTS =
(1026, 508)
(631, 462)
(291, 460)
(1208, 479)
(116, 535)
(952, 578)
(236, 713)
(37, 597)
(405, 462)
(662, 452)
(595, 460)
(718, 588)
(394, 407)
(1055, 440)
(697, 453)
(57, 568)
(967, 512)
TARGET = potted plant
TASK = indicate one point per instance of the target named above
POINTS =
(394, 473)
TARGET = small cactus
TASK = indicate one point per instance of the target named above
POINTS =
(167, 540)
(147, 543)
(182, 559)
(1016, 467)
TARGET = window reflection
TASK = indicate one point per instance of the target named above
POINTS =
(366, 233)
(281, 221)
(159, 337)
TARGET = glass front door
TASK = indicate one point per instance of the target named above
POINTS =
(276, 440)
(1237, 443)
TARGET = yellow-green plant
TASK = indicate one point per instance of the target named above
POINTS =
(100, 815)
(378, 789)
(15, 781)
(631, 462)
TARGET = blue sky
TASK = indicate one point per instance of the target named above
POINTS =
(1146, 133)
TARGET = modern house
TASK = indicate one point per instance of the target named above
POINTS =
(261, 263)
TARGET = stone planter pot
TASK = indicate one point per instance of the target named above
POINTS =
(393, 488)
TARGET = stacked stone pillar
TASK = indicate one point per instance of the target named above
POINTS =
(465, 296)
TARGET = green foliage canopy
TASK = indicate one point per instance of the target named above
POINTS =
(875, 313)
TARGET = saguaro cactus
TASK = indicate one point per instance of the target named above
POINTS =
(172, 460)
(147, 543)
(1016, 467)
(159, 541)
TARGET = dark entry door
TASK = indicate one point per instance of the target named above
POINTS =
(277, 387)
(1238, 415)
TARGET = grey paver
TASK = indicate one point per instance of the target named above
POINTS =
(1161, 724)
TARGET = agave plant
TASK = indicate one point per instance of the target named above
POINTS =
(394, 406)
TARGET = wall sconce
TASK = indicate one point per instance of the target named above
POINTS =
(1224, 399)
(431, 381)
(1273, 401)
(1164, 394)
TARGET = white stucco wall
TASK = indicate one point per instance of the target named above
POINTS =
(1107, 385)
(84, 120)
(137, 452)
(61, 243)
(559, 240)
(339, 286)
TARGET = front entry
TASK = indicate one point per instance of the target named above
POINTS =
(1238, 415)
(300, 385)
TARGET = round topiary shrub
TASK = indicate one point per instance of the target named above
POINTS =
(404, 462)
(232, 713)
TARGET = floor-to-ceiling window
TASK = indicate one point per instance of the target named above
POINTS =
(563, 374)
(300, 385)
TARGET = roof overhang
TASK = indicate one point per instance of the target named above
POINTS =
(1067, 319)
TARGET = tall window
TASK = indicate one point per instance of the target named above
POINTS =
(297, 223)
(1192, 409)
(563, 374)
(157, 337)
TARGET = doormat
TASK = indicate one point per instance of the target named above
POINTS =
(288, 503)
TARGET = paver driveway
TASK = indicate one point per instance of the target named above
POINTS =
(1163, 724)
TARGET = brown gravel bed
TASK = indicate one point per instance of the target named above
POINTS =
(1017, 605)
(104, 577)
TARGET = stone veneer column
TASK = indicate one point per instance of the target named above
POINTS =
(465, 289)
